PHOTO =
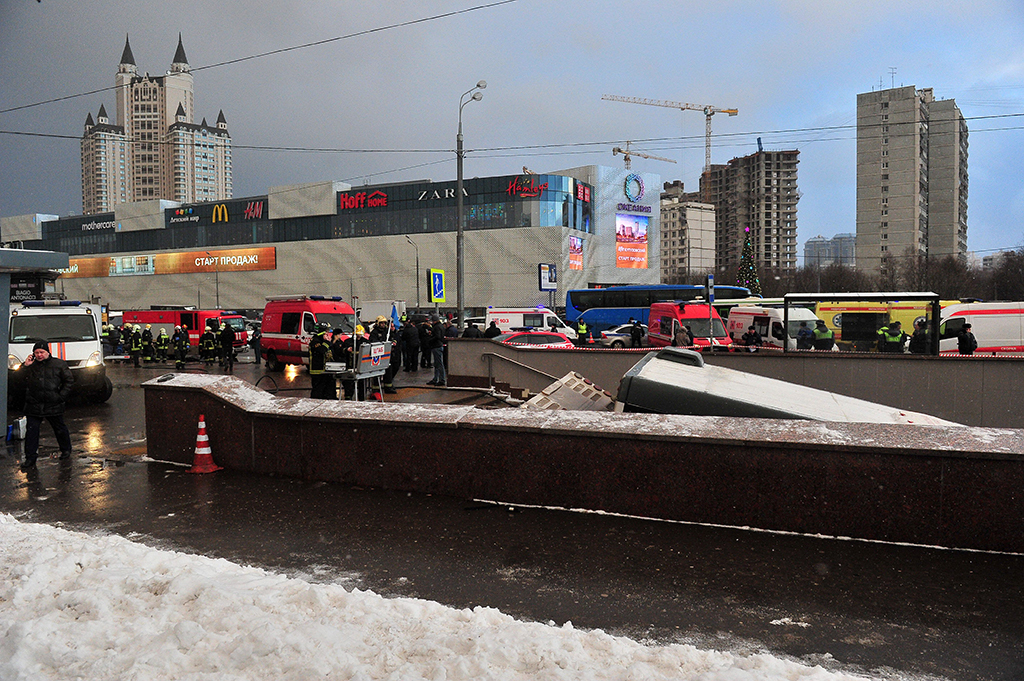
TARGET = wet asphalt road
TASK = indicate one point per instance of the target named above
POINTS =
(902, 611)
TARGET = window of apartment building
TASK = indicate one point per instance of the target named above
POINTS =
(885, 165)
(885, 129)
(885, 188)
(884, 237)
(885, 152)
(885, 176)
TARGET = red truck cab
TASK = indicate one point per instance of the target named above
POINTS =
(705, 324)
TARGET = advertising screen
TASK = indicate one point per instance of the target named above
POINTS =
(575, 253)
(631, 241)
(190, 262)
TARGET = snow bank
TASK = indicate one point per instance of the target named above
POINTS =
(77, 606)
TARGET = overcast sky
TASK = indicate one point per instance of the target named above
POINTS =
(792, 68)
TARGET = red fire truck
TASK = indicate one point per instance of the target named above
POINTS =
(193, 320)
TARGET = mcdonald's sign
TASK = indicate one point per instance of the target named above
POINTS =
(220, 212)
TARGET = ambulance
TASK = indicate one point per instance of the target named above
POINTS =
(769, 322)
(998, 327)
(520, 318)
(73, 330)
(290, 321)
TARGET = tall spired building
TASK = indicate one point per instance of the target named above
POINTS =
(155, 150)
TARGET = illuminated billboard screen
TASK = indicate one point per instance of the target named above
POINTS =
(631, 241)
(575, 253)
(189, 262)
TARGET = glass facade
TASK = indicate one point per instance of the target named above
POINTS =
(415, 208)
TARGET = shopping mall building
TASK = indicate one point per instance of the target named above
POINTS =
(593, 224)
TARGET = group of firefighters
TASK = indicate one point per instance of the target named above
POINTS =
(216, 344)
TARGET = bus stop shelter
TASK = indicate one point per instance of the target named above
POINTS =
(803, 299)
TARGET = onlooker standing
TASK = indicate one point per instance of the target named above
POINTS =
(636, 335)
(435, 343)
(492, 331)
(425, 333)
(227, 347)
(410, 345)
(48, 382)
(919, 339)
(471, 331)
(752, 339)
(804, 337)
(966, 343)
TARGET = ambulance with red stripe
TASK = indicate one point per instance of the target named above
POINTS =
(998, 327)
(72, 329)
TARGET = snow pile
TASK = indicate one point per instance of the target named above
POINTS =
(76, 606)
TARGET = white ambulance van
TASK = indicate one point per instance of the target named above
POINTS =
(769, 323)
(72, 329)
(539, 318)
(998, 327)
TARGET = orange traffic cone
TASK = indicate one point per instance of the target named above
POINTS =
(203, 463)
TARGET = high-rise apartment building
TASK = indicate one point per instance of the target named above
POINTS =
(840, 250)
(155, 150)
(687, 236)
(755, 197)
(911, 178)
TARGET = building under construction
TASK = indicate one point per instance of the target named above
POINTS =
(755, 197)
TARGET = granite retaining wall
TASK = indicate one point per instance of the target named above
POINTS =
(954, 487)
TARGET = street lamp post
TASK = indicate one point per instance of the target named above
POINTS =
(413, 244)
(459, 235)
(216, 274)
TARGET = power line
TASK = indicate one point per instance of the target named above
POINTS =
(315, 43)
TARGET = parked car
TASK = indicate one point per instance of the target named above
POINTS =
(536, 339)
(618, 336)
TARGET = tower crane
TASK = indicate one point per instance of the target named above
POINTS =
(627, 153)
(708, 110)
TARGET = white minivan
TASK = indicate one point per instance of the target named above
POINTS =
(998, 327)
(73, 331)
(540, 318)
(769, 323)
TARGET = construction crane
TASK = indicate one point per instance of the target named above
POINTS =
(627, 153)
(708, 110)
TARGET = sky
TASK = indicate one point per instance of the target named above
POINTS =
(98, 606)
(381, 104)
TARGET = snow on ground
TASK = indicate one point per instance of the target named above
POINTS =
(79, 606)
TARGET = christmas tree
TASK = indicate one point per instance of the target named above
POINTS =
(747, 274)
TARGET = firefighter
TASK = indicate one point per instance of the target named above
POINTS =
(147, 343)
(208, 346)
(135, 346)
(321, 382)
(105, 340)
(180, 345)
(163, 341)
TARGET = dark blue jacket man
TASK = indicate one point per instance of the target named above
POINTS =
(48, 382)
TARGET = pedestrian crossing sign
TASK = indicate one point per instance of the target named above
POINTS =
(436, 292)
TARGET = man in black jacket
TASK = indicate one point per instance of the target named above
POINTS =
(48, 382)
